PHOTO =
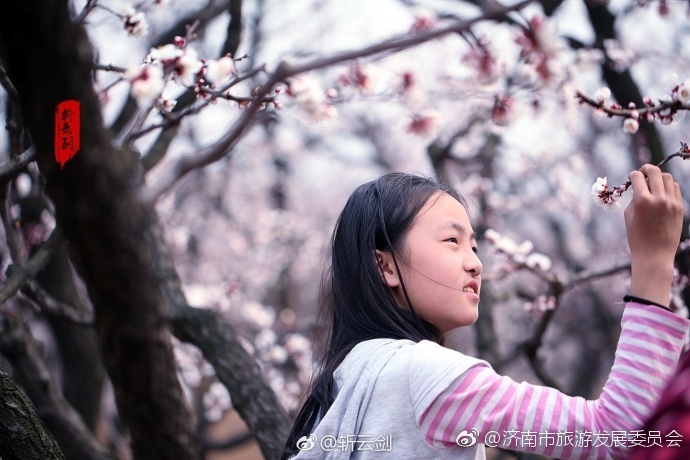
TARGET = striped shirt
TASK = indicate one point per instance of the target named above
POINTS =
(542, 420)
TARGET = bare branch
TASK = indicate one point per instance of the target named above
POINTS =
(16, 164)
(7, 84)
(284, 71)
(53, 307)
(17, 275)
(253, 399)
(13, 237)
(88, 8)
(109, 68)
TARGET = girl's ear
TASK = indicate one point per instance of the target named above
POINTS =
(386, 265)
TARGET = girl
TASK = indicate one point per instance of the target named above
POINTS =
(404, 272)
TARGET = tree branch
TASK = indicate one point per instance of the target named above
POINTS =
(53, 307)
(17, 275)
(284, 71)
(251, 396)
(22, 435)
(15, 164)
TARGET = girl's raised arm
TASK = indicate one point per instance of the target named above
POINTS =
(654, 220)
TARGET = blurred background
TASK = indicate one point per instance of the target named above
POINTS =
(491, 111)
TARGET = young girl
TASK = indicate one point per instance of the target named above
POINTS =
(404, 272)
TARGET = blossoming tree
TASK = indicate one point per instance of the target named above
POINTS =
(178, 252)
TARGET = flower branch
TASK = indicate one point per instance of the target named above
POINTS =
(607, 197)
(285, 71)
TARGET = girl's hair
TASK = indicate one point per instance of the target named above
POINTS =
(356, 305)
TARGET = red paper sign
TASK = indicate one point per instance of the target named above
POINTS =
(67, 125)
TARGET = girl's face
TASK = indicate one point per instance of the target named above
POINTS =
(439, 265)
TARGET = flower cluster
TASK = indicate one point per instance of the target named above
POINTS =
(520, 255)
(180, 63)
(539, 45)
(541, 304)
(605, 196)
(310, 96)
(134, 21)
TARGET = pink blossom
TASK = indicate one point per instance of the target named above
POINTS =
(501, 111)
(425, 20)
(424, 123)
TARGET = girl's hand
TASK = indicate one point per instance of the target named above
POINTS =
(653, 220)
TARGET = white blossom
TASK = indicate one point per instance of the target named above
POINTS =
(216, 401)
(684, 92)
(297, 344)
(23, 185)
(265, 339)
(134, 21)
(166, 54)
(147, 83)
(492, 236)
(630, 125)
(599, 186)
(602, 94)
(601, 195)
(187, 67)
(220, 70)
(538, 261)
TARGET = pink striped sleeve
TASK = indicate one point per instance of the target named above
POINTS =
(544, 421)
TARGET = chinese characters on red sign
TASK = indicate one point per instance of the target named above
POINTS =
(67, 120)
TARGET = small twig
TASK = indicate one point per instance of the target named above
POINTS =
(10, 169)
(20, 274)
(13, 237)
(88, 8)
(7, 84)
(53, 307)
(109, 68)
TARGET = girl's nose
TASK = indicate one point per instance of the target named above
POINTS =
(473, 264)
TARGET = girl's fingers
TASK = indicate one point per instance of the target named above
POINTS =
(668, 185)
(676, 190)
(654, 178)
(639, 184)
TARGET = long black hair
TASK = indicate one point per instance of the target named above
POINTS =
(356, 305)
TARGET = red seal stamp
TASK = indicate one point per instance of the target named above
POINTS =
(67, 125)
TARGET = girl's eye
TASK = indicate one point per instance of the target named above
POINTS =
(453, 240)
(475, 249)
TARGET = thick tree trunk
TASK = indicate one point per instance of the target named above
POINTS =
(23, 435)
(49, 60)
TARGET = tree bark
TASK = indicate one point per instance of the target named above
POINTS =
(22, 435)
(49, 60)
